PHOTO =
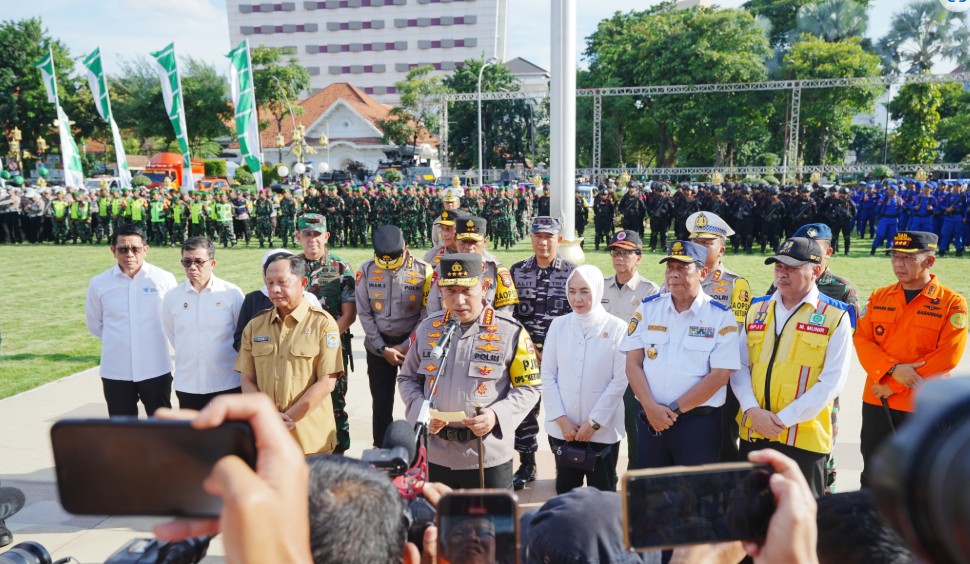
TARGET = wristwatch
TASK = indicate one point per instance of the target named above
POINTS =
(381, 350)
(891, 370)
(596, 426)
(675, 407)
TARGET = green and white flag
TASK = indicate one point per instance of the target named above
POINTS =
(99, 88)
(244, 100)
(166, 64)
(71, 157)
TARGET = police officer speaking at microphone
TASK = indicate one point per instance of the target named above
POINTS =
(681, 348)
(392, 293)
(490, 368)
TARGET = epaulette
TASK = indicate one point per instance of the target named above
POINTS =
(719, 305)
(760, 299)
(833, 302)
(653, 297)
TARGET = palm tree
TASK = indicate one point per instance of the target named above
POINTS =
(923, 34)
(832, 20)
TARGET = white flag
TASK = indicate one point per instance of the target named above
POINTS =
(99, 89)
(166, 64)
(244, 100)
(73, 171)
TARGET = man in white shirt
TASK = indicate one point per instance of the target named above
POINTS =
(199, 319)
(123, 309)
(681, 348)
(794, 362)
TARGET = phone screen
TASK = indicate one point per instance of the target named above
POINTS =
(143, 467)
(691, 505)
(478, 526)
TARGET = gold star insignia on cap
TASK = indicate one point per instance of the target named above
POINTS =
(456, 267)
(701, 221)
(677, 248)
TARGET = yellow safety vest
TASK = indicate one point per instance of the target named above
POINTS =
(782, 370)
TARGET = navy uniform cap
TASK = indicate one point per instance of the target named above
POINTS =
(546, 224)
(914, 242)
(685, 251)
(814, 231)
(388, 242)
(796, 251)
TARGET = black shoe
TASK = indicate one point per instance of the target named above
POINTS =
(525, 474)
(6, 537)
(872, 252)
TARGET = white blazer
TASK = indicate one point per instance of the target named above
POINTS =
(584, 378)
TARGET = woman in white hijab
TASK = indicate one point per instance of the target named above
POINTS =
(583, 380)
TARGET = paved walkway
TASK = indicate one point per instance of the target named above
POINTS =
(27, 462)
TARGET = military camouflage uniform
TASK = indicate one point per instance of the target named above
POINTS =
(287, 216)
(264, 221)
(331, 280)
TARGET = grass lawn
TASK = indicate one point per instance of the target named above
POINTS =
(43, 289)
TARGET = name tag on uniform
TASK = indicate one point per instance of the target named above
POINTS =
(817, 329)
(697, 331)
(260, 339)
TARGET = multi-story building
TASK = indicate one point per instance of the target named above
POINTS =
(372, 44)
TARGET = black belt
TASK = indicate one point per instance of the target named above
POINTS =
(890, 217)
(457, 435)
(394, 340)
(702, 410)
(927, 215)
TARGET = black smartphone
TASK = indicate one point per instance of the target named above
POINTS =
(478, 526)
(684, 505)
(127, 466)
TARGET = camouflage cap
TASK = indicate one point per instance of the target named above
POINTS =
(312, 222)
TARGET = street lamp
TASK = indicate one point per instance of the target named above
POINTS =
(491, 61)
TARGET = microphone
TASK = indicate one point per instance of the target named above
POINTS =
(396, 452)
(12, 500)
(439, 349)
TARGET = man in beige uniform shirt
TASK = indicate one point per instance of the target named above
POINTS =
(622, 294)
(292, 354)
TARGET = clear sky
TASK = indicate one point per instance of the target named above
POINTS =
(127, 28)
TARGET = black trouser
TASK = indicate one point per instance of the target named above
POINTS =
(694, 439)
(630, 406)
(602, 477)
(875, 430)
(382, 377)
(199, 401)
(122, 395)
(845, 228)
(604, 231)
(241, 227)
(659, 225)
(729, 428)
(812, 464)
(34, 227)
(496, 477)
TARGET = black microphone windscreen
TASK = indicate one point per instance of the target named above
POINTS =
(12, 500)
(400, 434)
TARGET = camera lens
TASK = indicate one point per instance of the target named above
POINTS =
(26, 553)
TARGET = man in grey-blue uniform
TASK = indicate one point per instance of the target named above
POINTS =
(540, 281)
(490, 374)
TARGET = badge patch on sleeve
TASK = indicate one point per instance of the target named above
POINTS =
(524, 370)
(333, 340)
(958, 320)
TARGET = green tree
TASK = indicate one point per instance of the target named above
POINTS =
(832, 20)
(954, 129)
(419, 107)
(23, 100)
(925, 33)
(662, 45)
(826, 113)
(279, 79)
(506, 124)
(917, 108)
(868, 142)
(138, 106)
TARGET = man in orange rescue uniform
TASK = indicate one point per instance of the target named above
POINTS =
(910, 331)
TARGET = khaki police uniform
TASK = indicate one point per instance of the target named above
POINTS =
(621, 300)
(288, 355)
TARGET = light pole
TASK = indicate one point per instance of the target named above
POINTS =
(491, 61)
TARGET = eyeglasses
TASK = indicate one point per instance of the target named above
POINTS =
(126, 250)
(622, 253)
(187, 263)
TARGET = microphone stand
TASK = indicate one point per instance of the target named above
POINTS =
(423, 421)
(481, 452)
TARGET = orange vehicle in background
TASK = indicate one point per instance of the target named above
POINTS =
(169, 165)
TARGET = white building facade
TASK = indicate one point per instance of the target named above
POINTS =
(372, 44)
